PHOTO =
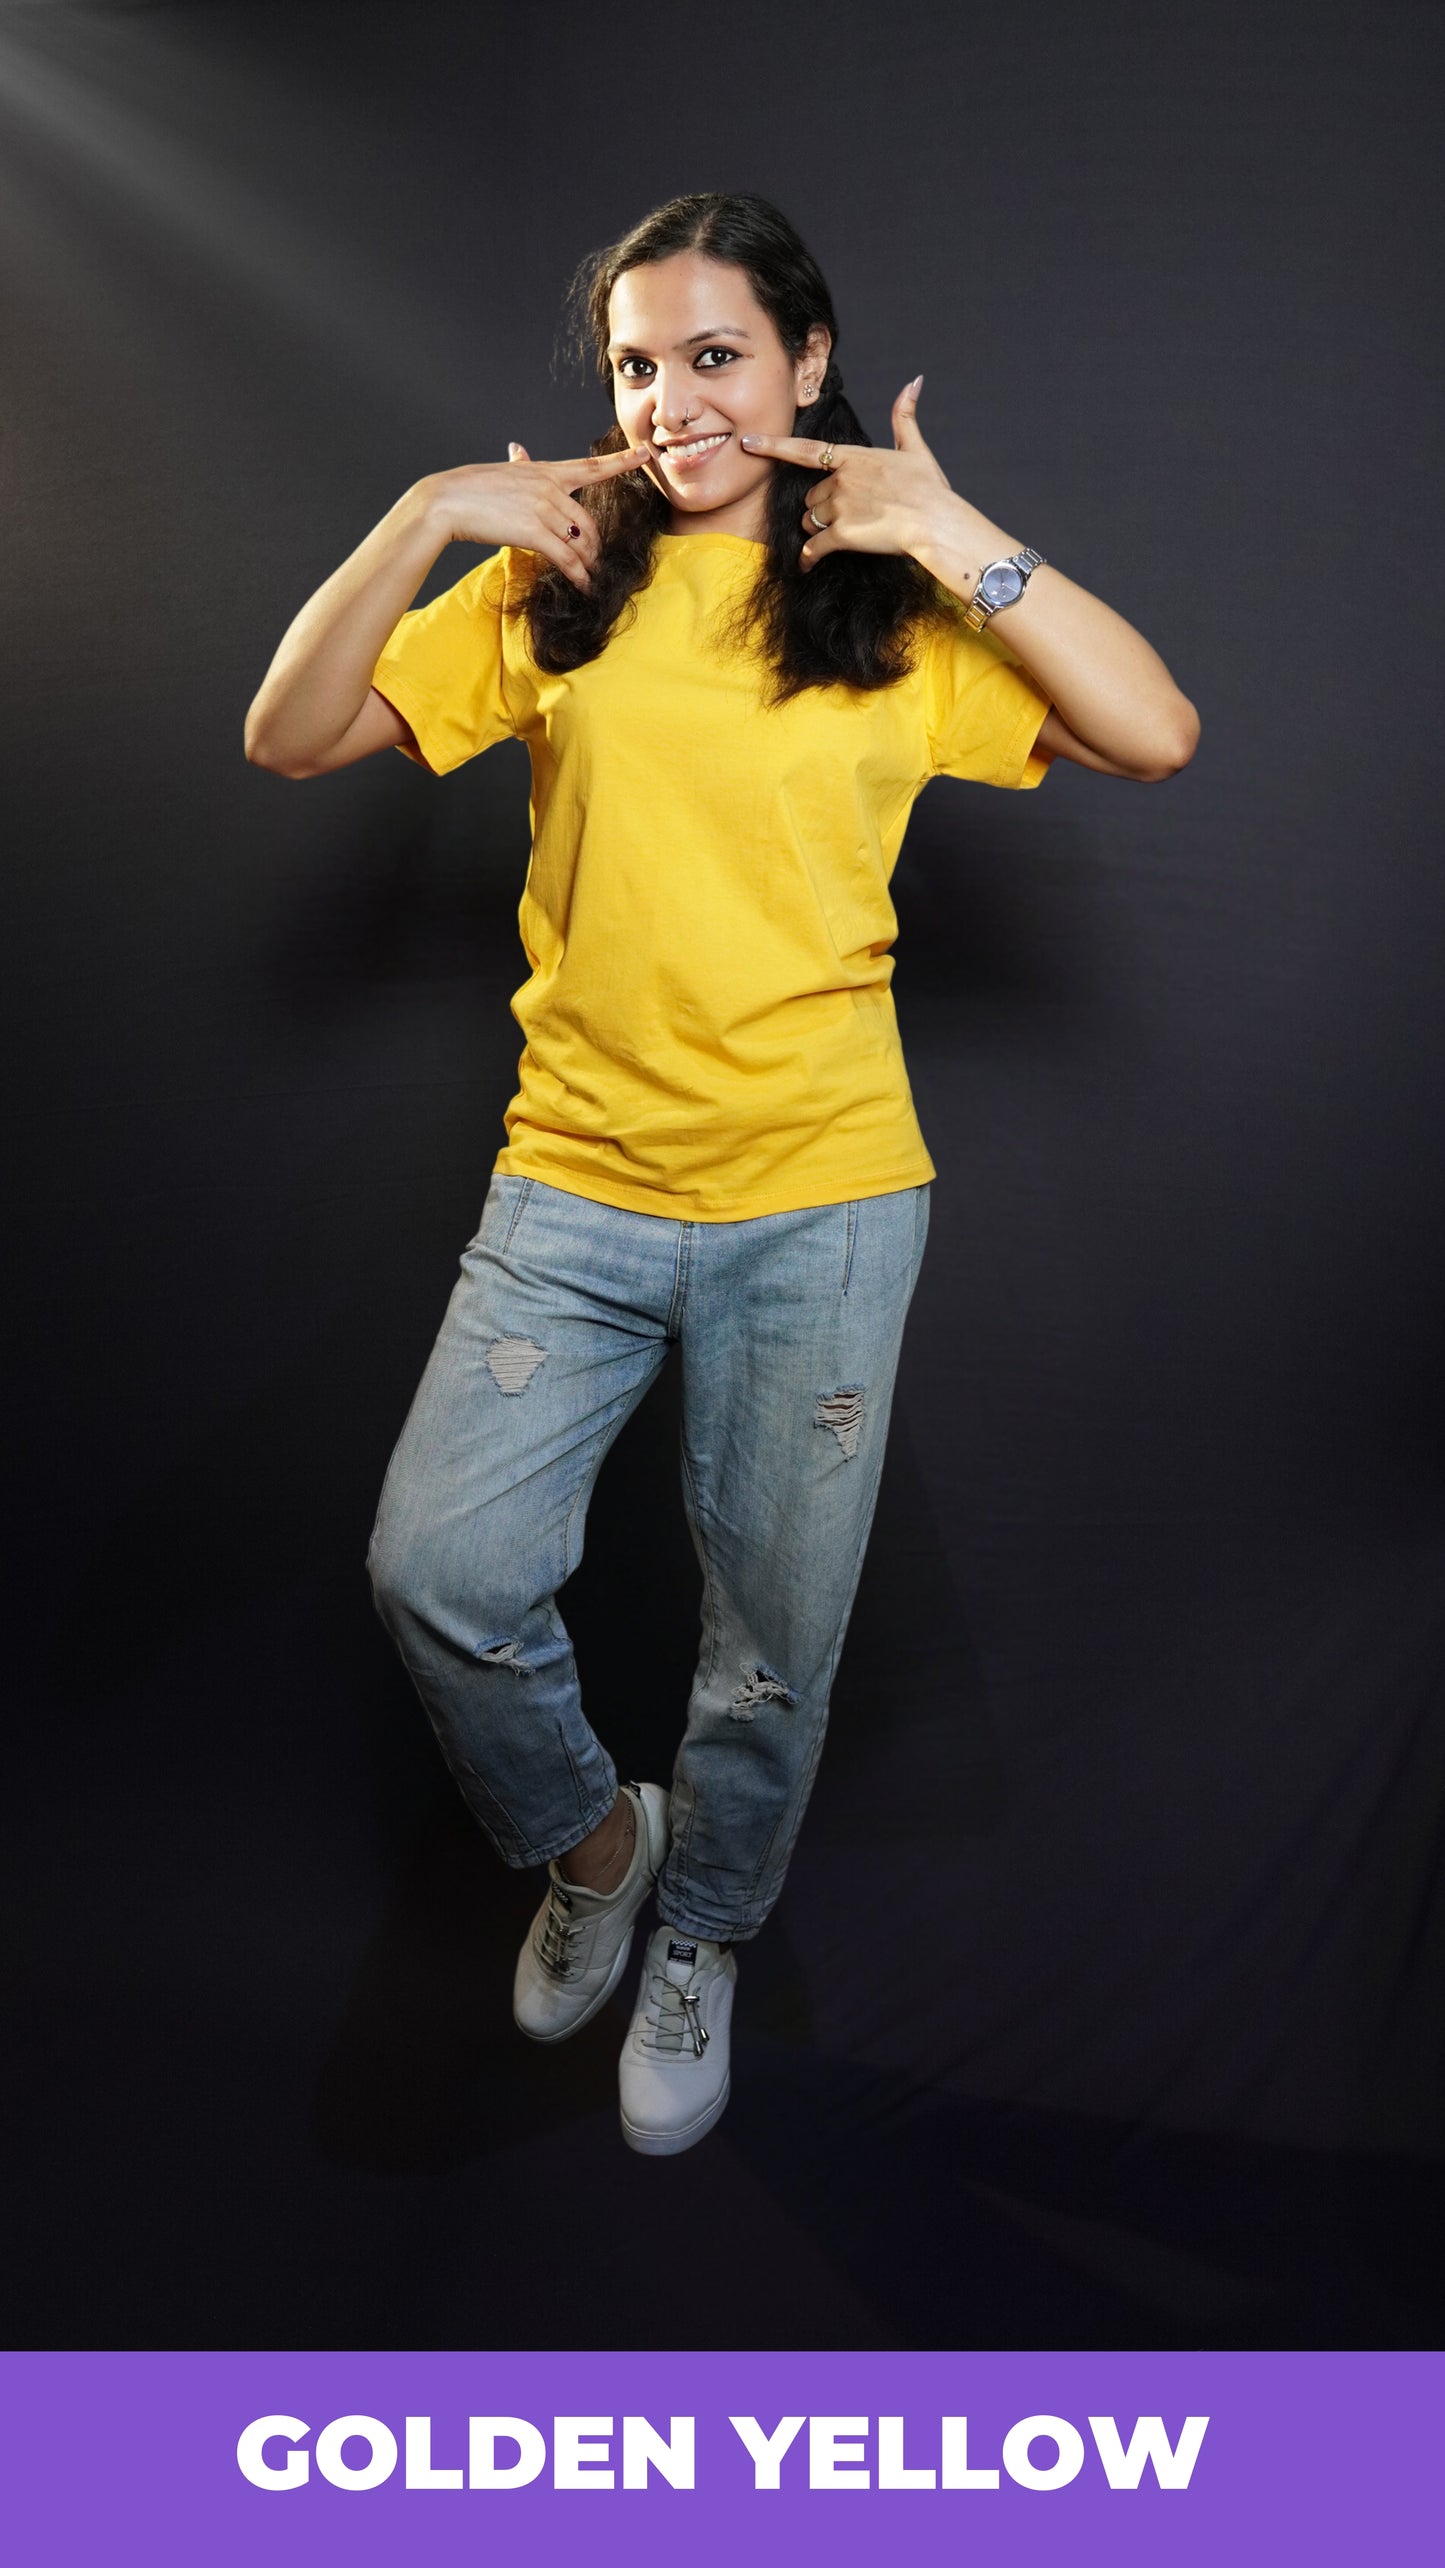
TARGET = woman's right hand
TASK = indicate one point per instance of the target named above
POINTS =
(532, 505)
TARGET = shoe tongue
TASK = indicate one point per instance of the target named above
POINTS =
(680, 1960)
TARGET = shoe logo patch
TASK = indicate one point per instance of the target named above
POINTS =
(678, 1951)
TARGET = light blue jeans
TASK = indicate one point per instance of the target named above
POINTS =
(788, 1327)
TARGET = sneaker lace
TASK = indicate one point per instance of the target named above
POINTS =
(559, 1932)
(673, 2014)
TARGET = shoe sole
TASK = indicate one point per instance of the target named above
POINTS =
(595, 2004)
(667, 2144)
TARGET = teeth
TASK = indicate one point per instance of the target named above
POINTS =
(700, 445)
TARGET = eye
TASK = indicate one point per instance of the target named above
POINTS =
(728, 353)
(625, 367)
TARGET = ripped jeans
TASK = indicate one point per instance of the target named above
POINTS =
(788, 1327)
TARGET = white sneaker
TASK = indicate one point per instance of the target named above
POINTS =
(577, 1949)
(674, 2075)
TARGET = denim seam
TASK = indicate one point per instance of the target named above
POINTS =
(679, 1282)
(562, 1840)
(490, 1813)
(579, 1787)
(523, 1191)
(840, 1637)
(677, 1852)
(754, 1887)
(680, 1841)
(852, 1237)
(709, 1583)
(568, 1563)
(821, 1730)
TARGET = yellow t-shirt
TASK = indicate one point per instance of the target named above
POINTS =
(709, 1027)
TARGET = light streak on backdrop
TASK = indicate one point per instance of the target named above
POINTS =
(98, 117)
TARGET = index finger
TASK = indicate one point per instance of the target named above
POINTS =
(794, 450)
(585, 468)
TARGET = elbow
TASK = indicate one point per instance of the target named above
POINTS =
(1181, 745)
(258, 754)
(255, 743)
(1174, 751)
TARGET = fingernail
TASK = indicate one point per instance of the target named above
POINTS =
(513, 450)
(916, 386)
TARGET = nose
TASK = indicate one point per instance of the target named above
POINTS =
(671, 410)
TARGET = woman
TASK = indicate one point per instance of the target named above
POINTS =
(737, 641)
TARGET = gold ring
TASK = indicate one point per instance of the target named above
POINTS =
(825, 460)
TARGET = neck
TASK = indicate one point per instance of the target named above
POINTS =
(746, 516)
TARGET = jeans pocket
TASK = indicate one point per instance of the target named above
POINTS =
(504, 1200)
(923, 1196)
(523, 1186)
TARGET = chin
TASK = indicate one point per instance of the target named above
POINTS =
(696, 503)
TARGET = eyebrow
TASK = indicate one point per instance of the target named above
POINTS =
(699, 339)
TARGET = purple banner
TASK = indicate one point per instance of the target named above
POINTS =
(1012, 2458)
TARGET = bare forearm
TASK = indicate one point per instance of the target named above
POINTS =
(1109, 685)
(321, 675)
(318, 684)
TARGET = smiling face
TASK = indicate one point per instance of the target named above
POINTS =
(697, 365)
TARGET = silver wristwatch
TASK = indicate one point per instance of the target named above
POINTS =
(1001, 583)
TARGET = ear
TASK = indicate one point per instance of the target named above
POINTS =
(812, 365)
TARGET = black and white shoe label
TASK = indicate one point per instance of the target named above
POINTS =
(678, 1951)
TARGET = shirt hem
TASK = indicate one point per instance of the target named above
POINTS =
(401, 693)
(676, 1207)
(1020, 754)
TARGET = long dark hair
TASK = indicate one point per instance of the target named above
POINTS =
(851, 620)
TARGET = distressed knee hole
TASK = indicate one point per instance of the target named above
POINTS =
(759, 1685)
(502, 1654)
(843, 1412)
(512, 1361)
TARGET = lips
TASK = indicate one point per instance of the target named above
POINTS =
(695, 450)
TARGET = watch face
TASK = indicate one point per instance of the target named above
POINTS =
(1001, 583)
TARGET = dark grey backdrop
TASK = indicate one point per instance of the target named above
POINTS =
(1103, 2004)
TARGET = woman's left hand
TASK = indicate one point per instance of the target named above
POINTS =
(869, 500)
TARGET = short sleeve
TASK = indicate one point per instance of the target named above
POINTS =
(983, 711)
(443, 667)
